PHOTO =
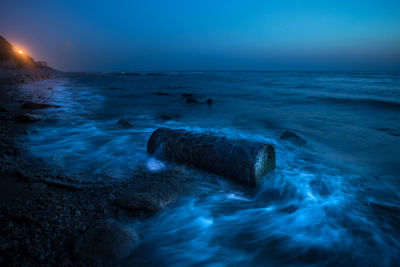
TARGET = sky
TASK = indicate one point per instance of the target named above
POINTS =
(173, 35)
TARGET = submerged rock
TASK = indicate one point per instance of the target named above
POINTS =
(320, 187)
(209, 101)
(165, 117)
(191, 100)
(106, 244)
(169, 116)
(33, 105)
(156, 74)
(187, 95)
(125, 123)
(293, 137)
(27, 117)
(242, 160)
(162, 93)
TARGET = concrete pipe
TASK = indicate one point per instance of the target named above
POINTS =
(243, 161)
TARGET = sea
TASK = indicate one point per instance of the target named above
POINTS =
(334, 201)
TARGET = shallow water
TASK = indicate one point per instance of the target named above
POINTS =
(333, 201)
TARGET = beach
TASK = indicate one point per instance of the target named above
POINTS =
(83, 166)
(42, 209)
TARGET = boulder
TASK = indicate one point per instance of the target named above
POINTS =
(27, 117)
(242, 160)
(125, 123)
(209, 101)
(292, 137)
(105, 244)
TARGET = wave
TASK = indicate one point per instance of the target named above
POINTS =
(377, 103)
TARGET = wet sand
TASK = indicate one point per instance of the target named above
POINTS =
(42, 210)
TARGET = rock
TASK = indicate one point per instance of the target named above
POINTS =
(191, 100)
(169, 116)
(33, 105)
(242, 160)
(3, 243)
(386, 207)
(27, 117)
(129, 73)
(125, 123)
(156, 74)
(187, 95)
(146, 201)
(38, 186)
(165, 117)
(114, 88)
(3, 109)
(292, 137)
(320, 187)
(209, 101)
(162, 93)
(50, 88)
(106, 244)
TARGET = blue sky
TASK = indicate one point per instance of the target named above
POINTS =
(206, 35)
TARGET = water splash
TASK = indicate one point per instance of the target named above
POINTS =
(309, 211)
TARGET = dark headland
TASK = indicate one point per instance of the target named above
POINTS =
(46, 217)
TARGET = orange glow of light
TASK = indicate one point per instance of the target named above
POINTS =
(20, 51)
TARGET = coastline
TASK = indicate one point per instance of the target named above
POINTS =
(63, 217)
(43, 211)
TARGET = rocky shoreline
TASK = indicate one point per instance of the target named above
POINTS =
(46, 217)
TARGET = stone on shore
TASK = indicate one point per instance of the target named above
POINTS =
(33, 105)
(27, 117)
(292, 137)
(38, 186)
(147, 201)
(105, 244)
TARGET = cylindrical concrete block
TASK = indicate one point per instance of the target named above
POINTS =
(244, 161)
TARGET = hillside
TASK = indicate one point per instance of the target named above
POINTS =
(20, 68)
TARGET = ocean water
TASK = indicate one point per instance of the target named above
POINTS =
(334, 201)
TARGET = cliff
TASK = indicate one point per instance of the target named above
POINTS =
(20, 68)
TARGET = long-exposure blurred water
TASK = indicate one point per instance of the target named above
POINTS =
(334, 201)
